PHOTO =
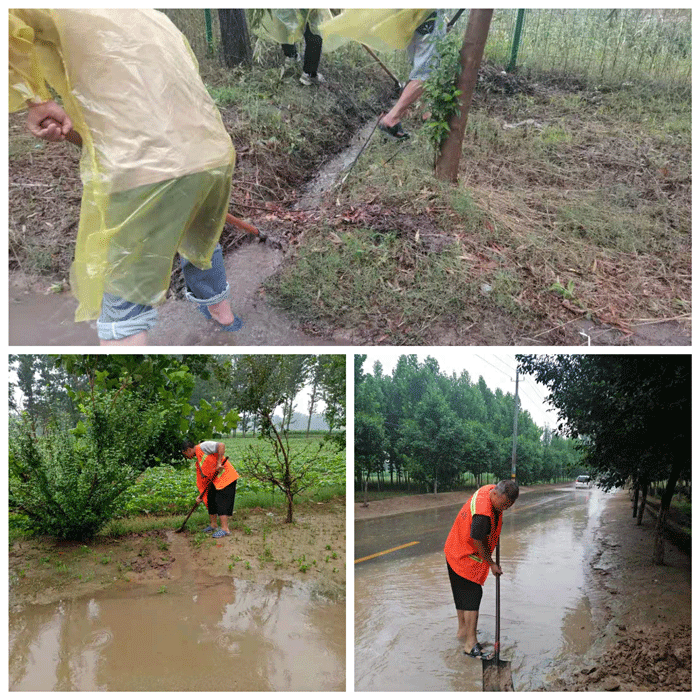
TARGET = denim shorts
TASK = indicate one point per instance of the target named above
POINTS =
(120, 318)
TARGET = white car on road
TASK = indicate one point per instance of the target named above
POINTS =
(583, 482)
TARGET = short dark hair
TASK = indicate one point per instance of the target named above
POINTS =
(509, 488)
(187, 445)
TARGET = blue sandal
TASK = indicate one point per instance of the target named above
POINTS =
(208, 528)
(221, 533)
(235, 326)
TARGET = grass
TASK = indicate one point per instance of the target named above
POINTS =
(561, 183)
(594, 191)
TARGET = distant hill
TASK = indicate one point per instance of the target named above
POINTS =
(299, 421)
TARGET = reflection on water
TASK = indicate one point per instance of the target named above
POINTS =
(223, 636)
(405, 621)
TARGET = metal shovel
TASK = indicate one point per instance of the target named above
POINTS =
(497, 674)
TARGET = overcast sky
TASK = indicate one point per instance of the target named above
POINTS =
(497, 369)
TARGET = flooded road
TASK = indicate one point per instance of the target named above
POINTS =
(405, 620)
(195, 633)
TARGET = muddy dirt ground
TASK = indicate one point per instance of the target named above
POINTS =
(641, 612)
(262, 548)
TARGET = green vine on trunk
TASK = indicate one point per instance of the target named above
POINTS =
(440, 90)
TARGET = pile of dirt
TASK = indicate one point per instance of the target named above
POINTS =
(641, 611)
(645, 659)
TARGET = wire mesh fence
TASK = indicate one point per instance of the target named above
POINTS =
(610, 46)
(597, 45)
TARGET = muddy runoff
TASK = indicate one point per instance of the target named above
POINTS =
(182, 628)
(405, 620)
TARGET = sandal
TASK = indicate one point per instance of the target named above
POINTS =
(208, 528)
(235, 326)
(477, 652)
(221, 533)
(396, 131)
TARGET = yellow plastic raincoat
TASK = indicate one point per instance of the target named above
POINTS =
(286, 26)
(156, 162)
(383, 30)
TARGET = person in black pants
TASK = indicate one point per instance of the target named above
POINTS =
(313, 45)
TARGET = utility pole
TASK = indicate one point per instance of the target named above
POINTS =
(515, 430)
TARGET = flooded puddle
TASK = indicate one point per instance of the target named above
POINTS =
(405, 620)
(230, 636)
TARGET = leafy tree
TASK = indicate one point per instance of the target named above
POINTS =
(435, 440)
(260, 384)
(631, 412)
(132, 412)
(334, 395)
(165, 380)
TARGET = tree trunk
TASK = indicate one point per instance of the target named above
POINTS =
(658, 557)
(235, 40)
(364, 491)
(471, 54)
(290, 507)
(635, 501)
(435, 491)
(640, 515)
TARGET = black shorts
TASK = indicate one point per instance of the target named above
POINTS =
(467, 594)
(220, 502)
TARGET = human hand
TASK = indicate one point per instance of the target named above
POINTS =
(495, 569)
(48, 121)
(199, 500)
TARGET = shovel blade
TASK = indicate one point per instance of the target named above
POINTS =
(497, 676)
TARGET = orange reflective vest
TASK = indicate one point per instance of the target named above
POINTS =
(460, 548)
(206, 467)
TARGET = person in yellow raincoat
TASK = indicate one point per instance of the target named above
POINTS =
(287, 26)
(156, 160)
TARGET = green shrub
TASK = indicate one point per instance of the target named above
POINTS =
(68, 481)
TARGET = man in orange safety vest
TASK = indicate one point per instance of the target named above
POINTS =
(216, 479)
(468, 549)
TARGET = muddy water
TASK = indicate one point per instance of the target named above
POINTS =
(38, 319)
(191, 633)
(405, 621)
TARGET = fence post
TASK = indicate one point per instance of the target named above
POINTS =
(516, 40)
(210, 33)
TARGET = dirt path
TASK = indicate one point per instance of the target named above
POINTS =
(641, 612)
(178, 321)
(262, 548)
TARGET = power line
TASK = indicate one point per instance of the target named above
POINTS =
(498, 369)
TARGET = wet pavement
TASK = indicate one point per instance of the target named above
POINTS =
(405, 620)
(193, 633)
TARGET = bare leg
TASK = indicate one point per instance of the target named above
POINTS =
(212, 520)
(138, 339)
(221, 312)
(411, 93)
(224, 523)
(462, 625)
(470, 619)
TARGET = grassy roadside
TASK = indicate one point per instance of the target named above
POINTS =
(572, 204)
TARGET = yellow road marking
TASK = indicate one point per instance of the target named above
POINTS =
(387, 551)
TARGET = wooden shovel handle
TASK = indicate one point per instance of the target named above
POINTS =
(242, 225)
